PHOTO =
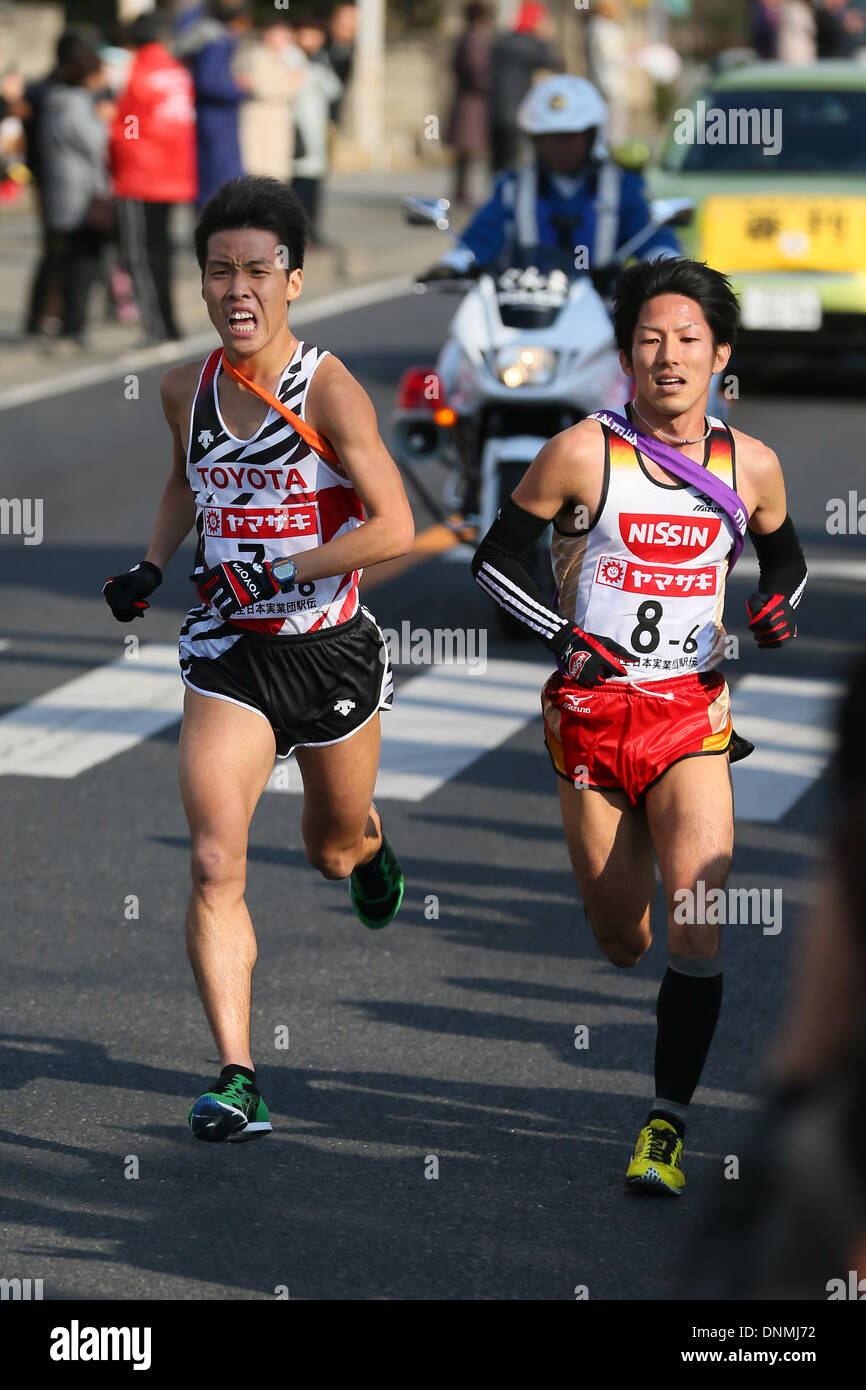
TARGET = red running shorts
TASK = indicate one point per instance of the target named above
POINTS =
(624, 736)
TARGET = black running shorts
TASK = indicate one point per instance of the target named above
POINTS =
(314, 688)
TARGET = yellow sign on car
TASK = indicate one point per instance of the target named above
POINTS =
(784, 232)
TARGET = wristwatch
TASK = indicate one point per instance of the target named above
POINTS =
(284, 573)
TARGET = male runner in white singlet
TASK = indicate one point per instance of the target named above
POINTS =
(637, 720)
(279, 655)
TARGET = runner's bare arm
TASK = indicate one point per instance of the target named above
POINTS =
(566, 473)
(175, 515)
(340, 409)
(760, 484)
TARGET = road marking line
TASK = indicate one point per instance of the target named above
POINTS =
(141, 359)
(792, 715)
(441, 723)
(94, 717)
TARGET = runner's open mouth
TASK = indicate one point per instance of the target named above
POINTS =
(242, 322)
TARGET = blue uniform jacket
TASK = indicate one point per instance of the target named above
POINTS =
(492, 227)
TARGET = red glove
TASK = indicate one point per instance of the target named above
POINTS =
(235, 585)
(771, 619)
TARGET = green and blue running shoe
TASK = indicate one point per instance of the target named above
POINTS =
(377, 888)
(233, 1110)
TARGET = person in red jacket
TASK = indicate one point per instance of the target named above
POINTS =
(153, 164)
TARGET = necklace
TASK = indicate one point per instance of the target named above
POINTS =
(674, 438)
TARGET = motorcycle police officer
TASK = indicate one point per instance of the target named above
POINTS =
(572, 196)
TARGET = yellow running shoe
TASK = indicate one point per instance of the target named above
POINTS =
(656, 1163)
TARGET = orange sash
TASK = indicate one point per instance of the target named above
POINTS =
(316, 441)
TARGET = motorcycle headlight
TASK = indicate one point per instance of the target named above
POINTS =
(525, 366)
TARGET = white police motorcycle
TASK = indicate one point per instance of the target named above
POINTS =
(530, 351)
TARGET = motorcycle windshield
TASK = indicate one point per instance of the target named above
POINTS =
(532, 284)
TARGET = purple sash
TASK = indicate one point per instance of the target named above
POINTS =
(688, 471)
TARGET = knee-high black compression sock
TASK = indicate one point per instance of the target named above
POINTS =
(687, 1011)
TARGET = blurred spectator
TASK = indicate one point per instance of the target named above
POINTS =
(515, 58)
(116, 59)
(607, 64)
(13, 172)
(794, 1224)
(209, 43)
(840, 27)
(763, 27)
(469, 124)
(44, 300)
(153, 163)
(797, 33)
(319, 88)
(267, 119)
(340, 47)
(73, 139)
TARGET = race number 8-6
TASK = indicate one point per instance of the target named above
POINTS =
(645, 636)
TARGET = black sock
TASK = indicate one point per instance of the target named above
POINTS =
(228, 1072)
(368, 874)
(687, 1011)
(678, 1124)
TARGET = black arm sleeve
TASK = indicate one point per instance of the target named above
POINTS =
(780, 562)
(497, 568)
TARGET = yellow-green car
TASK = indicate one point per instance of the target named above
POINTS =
(774, 157)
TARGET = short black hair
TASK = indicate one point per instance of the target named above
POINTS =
(250, 201)
(68, 44)
(150, 27)
(674, 275)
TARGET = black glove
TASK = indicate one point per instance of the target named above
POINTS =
(235, 585)
(588, 660)
(125, 595)
(771, 619)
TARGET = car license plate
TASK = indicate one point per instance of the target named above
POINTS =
(784, 232)
(796, 310)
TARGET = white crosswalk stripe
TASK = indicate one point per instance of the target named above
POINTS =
(94, 717)
(790, 721)
(443, 720)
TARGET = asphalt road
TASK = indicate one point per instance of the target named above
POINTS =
(450, 1039)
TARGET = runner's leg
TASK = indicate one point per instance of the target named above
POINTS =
(611, 855)
(691, 819)
(226, 755)
(341, 828)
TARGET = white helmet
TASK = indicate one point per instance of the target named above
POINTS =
(564, 104)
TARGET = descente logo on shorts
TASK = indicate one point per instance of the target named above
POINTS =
(674, 538)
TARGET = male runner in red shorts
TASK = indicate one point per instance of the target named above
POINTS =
(279, 655)
(638, 721)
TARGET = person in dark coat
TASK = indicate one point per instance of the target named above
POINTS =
(218, 95)
(839, 28)
(44, 300)
(514, 59)
(469, 123)
(73, 140)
